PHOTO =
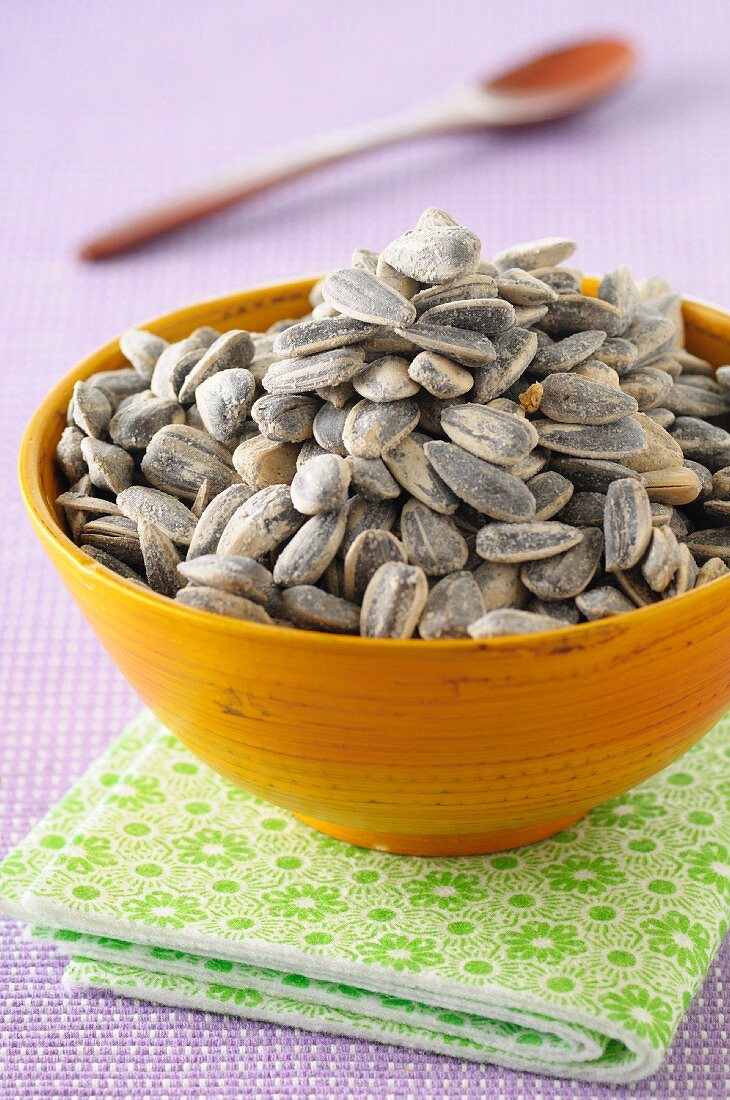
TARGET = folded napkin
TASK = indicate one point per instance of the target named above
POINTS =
(575, 957)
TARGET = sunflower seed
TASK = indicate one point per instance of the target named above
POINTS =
(565, 575)
(372, 479)
(619, 290)
(124, 547)
(408, 464)
(363, 515)
(618, 353)
(167, 362)
(650, 333)
(706, 443)
(662, 559)
(678, 485)
(686, 575)
(137, 421)
(110, 525)
(433, 216)
(371, 428)
(339, 396)
(505, 405)
(599, 441)
(110, 468)
(496, 624)
(500, 585)
(570, 399)
(440, 376)
(434, 254)
(662, 451)
(461, 289)
(395, 280)
(370, 550)
(712, 570)
(685, 400)
(590, 474)
(306, 556)
(69, 454)
(161, 559)
(536, 461)
(700, 382)
(627, 524)
(552, 492)
(488, 316)
(311, 372)
(232, 573)
(663, 417)
(431, 539)
(167, 512)
(453, 603)
(214, 519)
(585, 510)
(259, 524)
(116, 566)
(721, 484)
(718, 510)
(523, 289)
(723, 378)
(650, 387)
(364, 259)
(465, 347)
(496, 437)
(563, 280)
(263, 462)
(705, 478)
(520, 542)
(386, 379)
(526, 316)
(179, 457)
(328, 428)
(77, 501)
(712, 543)
(312, 609)
(571, 313)
(361, 295)
(597, 371)
(564, 611)
(603, 603)
(635, 587)
(561, 355)
(92, 409)
(224, 400)
(546, 252)
(393, 601)
(489, 489)
(142, 349)
(431, 409)
(285, 418)
(222, 603)
(118, 384)
(321, 485)
(515, 351)
(232, 350)
(313, 337)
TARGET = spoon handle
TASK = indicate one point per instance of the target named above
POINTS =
(271, 169)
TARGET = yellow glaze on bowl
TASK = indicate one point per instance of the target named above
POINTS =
(453, 747)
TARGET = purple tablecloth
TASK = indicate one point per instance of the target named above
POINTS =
(107, 107)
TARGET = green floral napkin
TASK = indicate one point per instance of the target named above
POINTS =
(575, 957)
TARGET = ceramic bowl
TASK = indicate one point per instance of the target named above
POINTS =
(452, 747)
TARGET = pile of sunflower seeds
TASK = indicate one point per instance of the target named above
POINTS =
(445, 445)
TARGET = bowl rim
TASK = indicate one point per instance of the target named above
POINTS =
(50, 532)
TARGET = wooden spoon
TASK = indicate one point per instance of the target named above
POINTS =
(548, 87)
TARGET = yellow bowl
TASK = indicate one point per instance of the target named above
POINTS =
(453, 747)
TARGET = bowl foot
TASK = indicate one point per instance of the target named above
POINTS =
(434, 844)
